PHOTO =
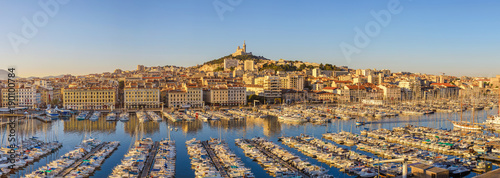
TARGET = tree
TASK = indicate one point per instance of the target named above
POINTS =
(121, 84)
(232, 68)
(328, 67)
(302, 66)
(55, 102)
(219, 69)
(251, 98)
(277, 100)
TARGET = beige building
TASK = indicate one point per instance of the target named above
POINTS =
(89, 97)
(226, 95)
(230, 62)
(272, 88)
(326, 96)
(391, 92)
(249, 65)
(495, 82)
(248, 79)
(190, 96)
(138, 96)
(295, 82)
(254, 90)
(50, 94)
(24, 97)
(353, 93)
(316, 72)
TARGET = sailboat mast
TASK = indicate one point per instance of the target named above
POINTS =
(461, 111)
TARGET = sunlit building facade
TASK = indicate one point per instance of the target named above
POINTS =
(89, 98)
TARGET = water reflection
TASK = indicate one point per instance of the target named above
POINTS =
(133, 126)
(270, 125)
(187, 126)
(228, 124)
(73, 125)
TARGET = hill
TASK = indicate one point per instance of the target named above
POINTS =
(240, 57)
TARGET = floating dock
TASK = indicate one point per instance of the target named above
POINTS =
(149, 161)
(80, 161)
(273, 156)
(214, 159)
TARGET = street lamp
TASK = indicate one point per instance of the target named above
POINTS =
(254, 102)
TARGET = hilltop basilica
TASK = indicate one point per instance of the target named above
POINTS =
(241, 51)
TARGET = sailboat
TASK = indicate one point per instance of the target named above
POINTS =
(464, 124)
(494, 121)
(52, 112)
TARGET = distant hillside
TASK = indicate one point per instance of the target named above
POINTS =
(47, 77)
(240, 57)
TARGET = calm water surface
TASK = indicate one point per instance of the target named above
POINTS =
(71, 132)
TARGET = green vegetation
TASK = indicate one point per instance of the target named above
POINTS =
(55, 102)
(251, 98)
(257, 59)
(219, 69)
(121, 84)
(240, 57)
(328, 67)
(290, 67)
(279, 67)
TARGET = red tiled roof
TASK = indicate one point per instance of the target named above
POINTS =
(336, 81)
(355, 87)
(152, 77)
(444, 84)
(330, 88)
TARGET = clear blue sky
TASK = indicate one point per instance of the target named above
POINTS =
(452, 36)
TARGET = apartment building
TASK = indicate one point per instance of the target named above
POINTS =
(295, 82)
(139, 96)
(226, 95)
(89, 98)
(391, 92)
(25, 96)
(271, 88)
(187, 96)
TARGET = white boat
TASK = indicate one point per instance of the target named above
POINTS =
(44, 118)
(466, 125)
(124, 116)
(82, 115)
(142, 116)
(52, 112)
(494, 121)
(154, 116)
(95, 116)
(174, 117)
(111, 116)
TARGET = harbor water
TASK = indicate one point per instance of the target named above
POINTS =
(70, 132)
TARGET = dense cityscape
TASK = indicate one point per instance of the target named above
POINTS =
(238, 80)
(249, 89)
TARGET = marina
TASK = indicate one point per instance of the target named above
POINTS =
(338, 147)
